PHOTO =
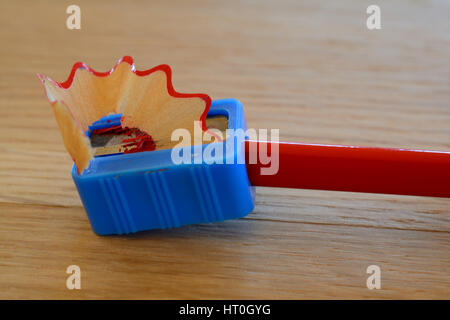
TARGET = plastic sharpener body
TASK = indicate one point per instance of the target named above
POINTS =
(126, 193)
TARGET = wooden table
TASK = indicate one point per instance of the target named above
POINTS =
(311, 69)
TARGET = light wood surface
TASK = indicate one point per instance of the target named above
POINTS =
(311, 69)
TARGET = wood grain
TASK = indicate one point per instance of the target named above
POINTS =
(311, 69)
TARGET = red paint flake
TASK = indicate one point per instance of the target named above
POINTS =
(139, 140)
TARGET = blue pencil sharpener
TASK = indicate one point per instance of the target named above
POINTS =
(130, 192)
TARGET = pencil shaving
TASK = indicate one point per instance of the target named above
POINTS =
(146, 99)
